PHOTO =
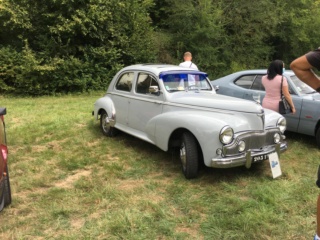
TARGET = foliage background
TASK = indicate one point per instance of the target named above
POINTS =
(63, 46)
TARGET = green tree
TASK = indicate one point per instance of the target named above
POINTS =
(195, 26)
(93, 37)
(297, 32)
(223, 35)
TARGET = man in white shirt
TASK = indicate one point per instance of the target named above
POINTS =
(187, 61)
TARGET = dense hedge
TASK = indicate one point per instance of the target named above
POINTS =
(61, 46)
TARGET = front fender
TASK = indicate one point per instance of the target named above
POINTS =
(271, 118)
(205, 126)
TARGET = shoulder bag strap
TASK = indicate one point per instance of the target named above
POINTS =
(281, 87)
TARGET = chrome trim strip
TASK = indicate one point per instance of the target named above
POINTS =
(152, 98)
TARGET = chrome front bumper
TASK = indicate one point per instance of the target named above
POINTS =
(246, 159)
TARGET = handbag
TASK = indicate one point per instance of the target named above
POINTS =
(284, 107)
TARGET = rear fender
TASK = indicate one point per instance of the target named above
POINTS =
(104, 104)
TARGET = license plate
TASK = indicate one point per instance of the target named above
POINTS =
(260, 158)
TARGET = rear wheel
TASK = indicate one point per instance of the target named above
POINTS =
(189, 155)
(105, 125)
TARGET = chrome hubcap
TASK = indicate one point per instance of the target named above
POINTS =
(183, 156)
(106, 123)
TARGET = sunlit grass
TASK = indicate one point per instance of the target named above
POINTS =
(71, 182)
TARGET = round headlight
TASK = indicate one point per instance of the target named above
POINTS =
(241, 146)
(226, 135)
(276, 138)
(282, 124)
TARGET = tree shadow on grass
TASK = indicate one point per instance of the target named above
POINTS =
(169, 162)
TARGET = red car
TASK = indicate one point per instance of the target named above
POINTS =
(5, 191)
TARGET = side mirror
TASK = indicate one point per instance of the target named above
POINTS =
(216, 87)
(154, 90)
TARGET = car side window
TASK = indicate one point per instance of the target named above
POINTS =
(257, 84)
(245, 81)
(144, 81)
(125, 82)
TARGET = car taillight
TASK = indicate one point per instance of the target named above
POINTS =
(4, 152)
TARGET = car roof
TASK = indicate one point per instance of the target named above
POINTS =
(262, 71)
(158, 68)
(253, 71)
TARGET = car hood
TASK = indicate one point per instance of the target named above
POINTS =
(312, 96)
(216, 101)
(316, 96)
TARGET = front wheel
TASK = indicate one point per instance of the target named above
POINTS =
(189, 155)
(2, 201)
(106, 126)
(7, 189)
(5, 198)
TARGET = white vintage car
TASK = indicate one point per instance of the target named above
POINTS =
(174, 107)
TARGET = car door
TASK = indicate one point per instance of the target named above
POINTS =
(245, 83)
(143, 104)
(120, 97)
(257, 88)
(306, 117)
(252, 87)
(257, 92)
(293, 120)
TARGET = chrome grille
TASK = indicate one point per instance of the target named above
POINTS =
(255, 141)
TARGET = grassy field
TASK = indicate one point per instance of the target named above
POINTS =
(71, 182)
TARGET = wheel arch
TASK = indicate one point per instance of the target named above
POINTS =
(104, 104)
(175, 140)
(317, 127)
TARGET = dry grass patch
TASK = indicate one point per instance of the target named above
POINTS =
(71, 179)
(71, 182)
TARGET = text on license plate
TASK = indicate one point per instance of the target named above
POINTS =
(260, 158)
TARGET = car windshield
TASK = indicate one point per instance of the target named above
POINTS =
(185, 81)
(301, 86)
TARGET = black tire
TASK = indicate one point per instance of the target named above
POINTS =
(318, 137)
(7, 189)
(189, 156)
(105, 125)
(2, 201)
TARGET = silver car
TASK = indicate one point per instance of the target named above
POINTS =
(247, 85)
(174, 107)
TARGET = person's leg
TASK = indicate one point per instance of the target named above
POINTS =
(303, 70)
(318, 217)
